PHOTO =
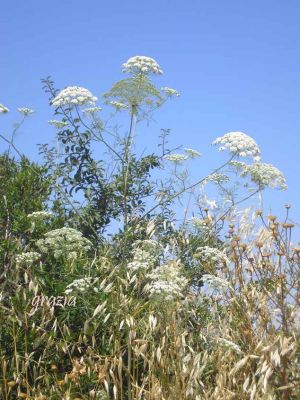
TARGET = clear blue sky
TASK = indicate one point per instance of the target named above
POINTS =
(235, 62)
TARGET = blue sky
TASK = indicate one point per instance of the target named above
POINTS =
(235, 63)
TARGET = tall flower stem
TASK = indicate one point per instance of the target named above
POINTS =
(128, 156)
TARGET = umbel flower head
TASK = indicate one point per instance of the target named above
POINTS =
(3, 109)
(145, 253)
(192, 153)
(239, 144)
(142, 65)
(74, 95)
(170, 92)
(64, 242)
(166, 282)
(81, 285)
(27, 258)
(39, 215)
(25, 111)
(92, 110)
(215, 282)
(211, 255)
(119, 106)
(57, 124)
(265, 175)
(176, 158)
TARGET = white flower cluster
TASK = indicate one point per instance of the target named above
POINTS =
(81, 285)
(215, 282)
(192, 153)
(118, 105)
(64, 242)
(39, 215)
(145, 255)
(239, 144)
(265, 175)
(166, 281)
(92, 110)
(142, 65)
(74, 95)
(212, 255)
(27, 258)
(57, 124)
(176, 158)
(25, 111)
(170, 92)
(230, 345)
(3, 109)
(217, 178)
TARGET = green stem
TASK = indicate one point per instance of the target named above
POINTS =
(180, 192)
(128, 156)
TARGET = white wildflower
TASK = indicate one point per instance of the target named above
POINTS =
(92, 110)
(230, 345)
(215, 282)
(216, 178)
(170, 92)
(145, 253)
(176, 158)
(265, 175)
(192, 153)
(238, 165)
(39, 215)
(74, 95)
(25, 111)
(81, 285)
(166, 281)
(58, 124)
(3, 109)
(27, 258)
(64, 242)
(212, 255)
(118, 105)
(142, 65)
(239, 144)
